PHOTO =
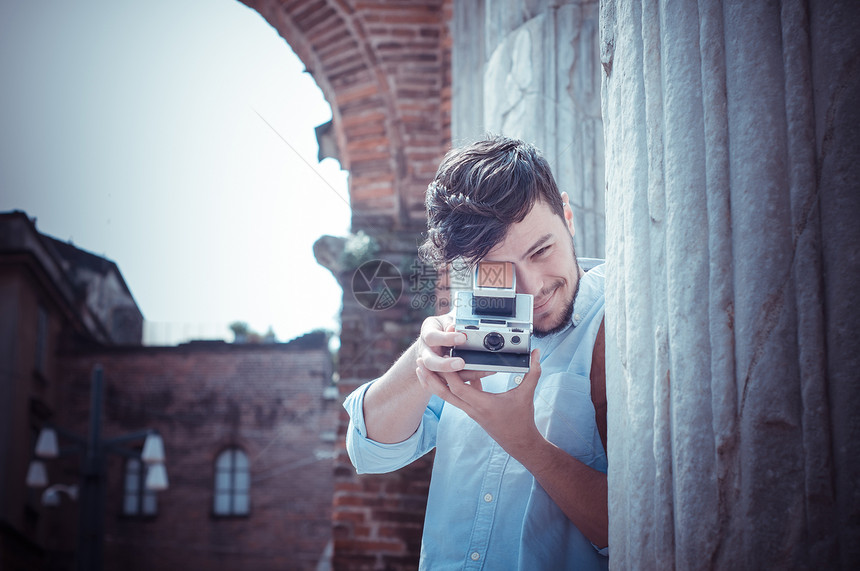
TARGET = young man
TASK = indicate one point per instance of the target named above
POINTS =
(519, 478)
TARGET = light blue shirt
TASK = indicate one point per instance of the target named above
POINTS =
(485, 510)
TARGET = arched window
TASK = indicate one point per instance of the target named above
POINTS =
(232, 483)
(137, 500)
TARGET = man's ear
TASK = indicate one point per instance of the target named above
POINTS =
(568, 213)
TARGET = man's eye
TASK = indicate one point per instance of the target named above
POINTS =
(540, 252)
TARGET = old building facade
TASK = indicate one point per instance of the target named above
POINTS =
(248, 429)
(248, 432)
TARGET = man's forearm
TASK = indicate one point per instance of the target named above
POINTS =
(580, 491)
(394, 404)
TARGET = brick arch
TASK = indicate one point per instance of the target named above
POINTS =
(384, 69)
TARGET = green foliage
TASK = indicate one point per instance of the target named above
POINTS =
(359, 248)
(242, 333)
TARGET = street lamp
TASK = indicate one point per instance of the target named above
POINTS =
(93, 451)
(51, 495)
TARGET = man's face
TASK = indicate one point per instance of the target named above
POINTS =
(541, 248)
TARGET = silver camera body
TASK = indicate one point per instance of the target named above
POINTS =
(496, 320)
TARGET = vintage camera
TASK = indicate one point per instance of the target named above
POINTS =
(496, 319)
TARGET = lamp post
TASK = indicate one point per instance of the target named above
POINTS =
(94, 451)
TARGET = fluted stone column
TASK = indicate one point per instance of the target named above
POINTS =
(733, 241)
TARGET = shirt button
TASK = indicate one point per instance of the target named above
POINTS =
(577, 317)
(518, 379)
(475, 556)
(488, 498)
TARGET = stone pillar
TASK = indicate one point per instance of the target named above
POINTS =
(532, 72)
(732, 315)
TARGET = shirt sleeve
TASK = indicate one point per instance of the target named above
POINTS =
(371, 457)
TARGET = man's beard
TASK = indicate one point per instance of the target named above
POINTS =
(568, 311)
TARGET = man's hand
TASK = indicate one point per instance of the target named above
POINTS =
(395, 403)
(508, 417)
(580, 491)
(433, 350)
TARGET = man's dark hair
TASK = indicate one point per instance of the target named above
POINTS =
(478, 192)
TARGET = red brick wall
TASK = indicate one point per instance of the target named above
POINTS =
(266, 399)
(377, 518)
(385, 68)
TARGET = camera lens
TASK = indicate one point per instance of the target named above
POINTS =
(494, 341)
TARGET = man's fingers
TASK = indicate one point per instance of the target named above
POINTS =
(530, 380)
(474, 375)
(443, 377)
(435, 384)
(431, 381)
(471, 394)
(434, 327)
(436, 338)
(439, 387)
(442, 363)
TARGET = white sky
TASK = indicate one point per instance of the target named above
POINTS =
(130, 129)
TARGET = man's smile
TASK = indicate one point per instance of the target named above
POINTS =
(544, 303)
